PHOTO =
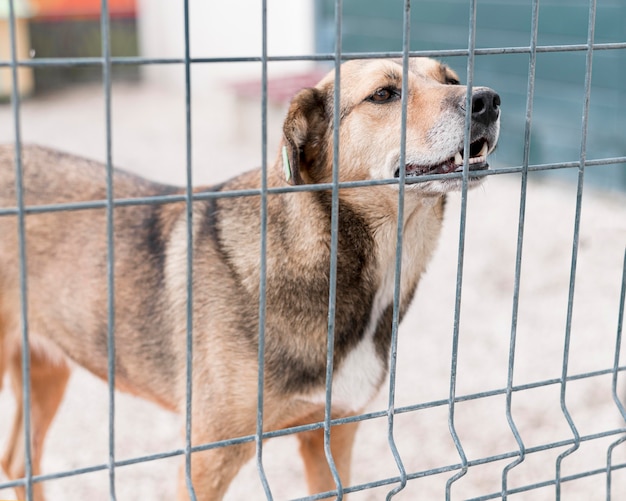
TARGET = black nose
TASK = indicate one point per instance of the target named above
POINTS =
(485, 106)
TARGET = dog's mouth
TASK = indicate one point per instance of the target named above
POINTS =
(477, 161)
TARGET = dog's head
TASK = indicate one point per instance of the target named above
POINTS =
(369, 135)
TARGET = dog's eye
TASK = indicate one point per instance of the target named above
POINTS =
(384, 95)
(452, 81)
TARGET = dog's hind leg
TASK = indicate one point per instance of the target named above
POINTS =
(318, 474)
(212, 471)
(48, 381)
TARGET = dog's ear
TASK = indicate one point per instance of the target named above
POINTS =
(305, 133)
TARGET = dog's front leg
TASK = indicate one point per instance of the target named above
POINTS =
(318, 475)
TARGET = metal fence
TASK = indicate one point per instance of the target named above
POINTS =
(396, 483)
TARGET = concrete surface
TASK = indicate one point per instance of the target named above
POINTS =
(149, 138)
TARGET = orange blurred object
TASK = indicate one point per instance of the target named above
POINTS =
(72, 9)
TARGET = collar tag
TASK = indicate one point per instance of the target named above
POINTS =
(286, 166)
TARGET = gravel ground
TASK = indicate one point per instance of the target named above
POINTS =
(149, 138)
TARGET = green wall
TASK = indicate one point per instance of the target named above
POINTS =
(374, 25)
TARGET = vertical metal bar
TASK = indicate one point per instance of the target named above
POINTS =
(21, 216)
(406, 42)
(189, 209)
(106, 78)
(334, 225)
(263, 259)
(616, 399)
(459, 278)
(575, 239)
(520, 242)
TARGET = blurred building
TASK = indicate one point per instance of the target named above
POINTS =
(72, 29)
(560, 75)
(23, 12)
(226, 30)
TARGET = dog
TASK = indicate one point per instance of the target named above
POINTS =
(66, 264)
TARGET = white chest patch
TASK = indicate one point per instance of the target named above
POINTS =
(358, 377)
(360, 374)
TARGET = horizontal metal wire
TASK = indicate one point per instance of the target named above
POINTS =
(208, 195)
(549, 483)
(364, 486)
(345, 56)
(251, 438)
(359, 418)
(451, 468)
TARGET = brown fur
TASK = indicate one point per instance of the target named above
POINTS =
(67, 273)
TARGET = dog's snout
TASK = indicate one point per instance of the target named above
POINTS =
(485, 106)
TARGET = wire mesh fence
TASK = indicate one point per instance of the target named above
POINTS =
(522, 445)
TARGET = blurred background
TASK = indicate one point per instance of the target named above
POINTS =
(560, 76)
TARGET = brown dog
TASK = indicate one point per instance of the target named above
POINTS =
(67, 268)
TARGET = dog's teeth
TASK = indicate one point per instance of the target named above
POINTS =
(484, 150)
(458, 159)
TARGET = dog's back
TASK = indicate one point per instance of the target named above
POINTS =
(67, 259)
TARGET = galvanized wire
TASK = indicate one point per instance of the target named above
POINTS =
(378, 415)
(345, 56)
(27, 482)
(263, 261)
(189, 268)
(471, 44)
(334, 243)
(575, 241)
(393, 353)
(165, 199)
(368, 485)
(520, 243)
(110, 225)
